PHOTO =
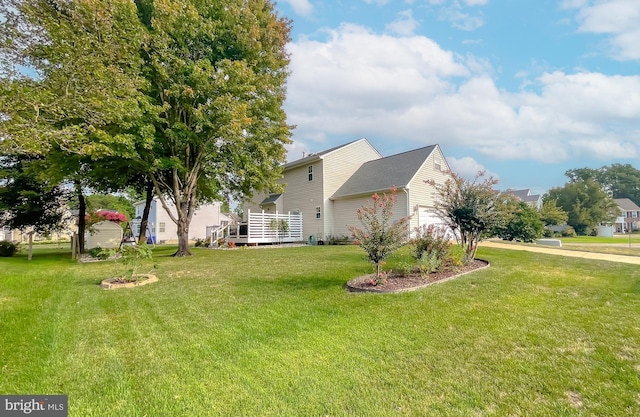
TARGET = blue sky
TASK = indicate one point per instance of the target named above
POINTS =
(524, 89)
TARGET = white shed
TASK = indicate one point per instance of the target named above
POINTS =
(104, 234)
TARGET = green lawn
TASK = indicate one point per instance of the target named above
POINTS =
(272, 332)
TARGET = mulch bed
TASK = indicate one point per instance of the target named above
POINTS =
(401, 283)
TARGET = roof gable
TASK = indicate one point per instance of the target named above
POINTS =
(626, 204)
(320, 155)
(382, 174)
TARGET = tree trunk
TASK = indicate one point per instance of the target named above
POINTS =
(183, 238)
(30, 256)
(144, 223)
(82, 212)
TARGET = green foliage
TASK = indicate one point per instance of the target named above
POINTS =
(585, 203)
(200, 243)
(26, 200)
(618, 180)
(100, 253)
(130, 257)
(456, 257)
(430, 262)
(569, 232)
(524, 224)
(380, 236)
(469, 208)
(8, 249)
(404, 268)
(218, 70)
(551, 214)
(337, 240)
(187, 94)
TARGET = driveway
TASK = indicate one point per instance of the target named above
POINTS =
(563, 252)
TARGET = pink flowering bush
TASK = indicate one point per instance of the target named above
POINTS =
(101, 215)
(379, 235)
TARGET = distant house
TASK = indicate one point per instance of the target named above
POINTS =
(629, 218)
(162, 229)
(533, 200)
(327, 188)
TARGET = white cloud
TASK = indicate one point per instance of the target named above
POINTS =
(468, 168)
(358, 83)
(460, 20)
(301, 7)
(404, 24)
(618, 19)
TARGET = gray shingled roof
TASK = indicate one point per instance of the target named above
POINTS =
(626, 204)
(521, 194)
(382, 174)
(271, 199)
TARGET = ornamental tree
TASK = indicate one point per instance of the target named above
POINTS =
(469, 209)
(379, 235)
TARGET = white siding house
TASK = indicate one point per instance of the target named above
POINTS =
(328, 187)
(162, 229)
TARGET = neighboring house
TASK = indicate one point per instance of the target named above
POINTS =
(629, 218)
(533, 200)
(162, 229)
(328, 187)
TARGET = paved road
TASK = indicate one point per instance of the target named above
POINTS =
(561, 252)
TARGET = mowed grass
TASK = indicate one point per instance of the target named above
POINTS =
(272, 332)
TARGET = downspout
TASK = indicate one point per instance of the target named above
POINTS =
(406, 191)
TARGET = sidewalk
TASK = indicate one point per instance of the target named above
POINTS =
(564, 252)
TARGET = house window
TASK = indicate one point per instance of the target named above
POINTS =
(437, 164)
(318, 212)
(162, 227)
(635, 213)
(310, 173)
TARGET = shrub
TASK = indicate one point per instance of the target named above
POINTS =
(431, 239)
(569, 232)
(404, 268)
(202, 243)
(456, 256)
(8, 249)
(130, 257)
(337, 240)
(379, 236)
(430, 262)
(99, 253)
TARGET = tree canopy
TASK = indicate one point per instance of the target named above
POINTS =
(185, 94)
(585, 203)
(618, 180)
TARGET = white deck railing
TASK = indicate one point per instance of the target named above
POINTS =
(268, 228)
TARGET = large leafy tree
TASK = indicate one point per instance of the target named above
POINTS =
(469, 208)
(70, 86)
(551, 214)
(585, 203)
(618, 180)
(28, 201)
(217, 69)
(522, 224)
